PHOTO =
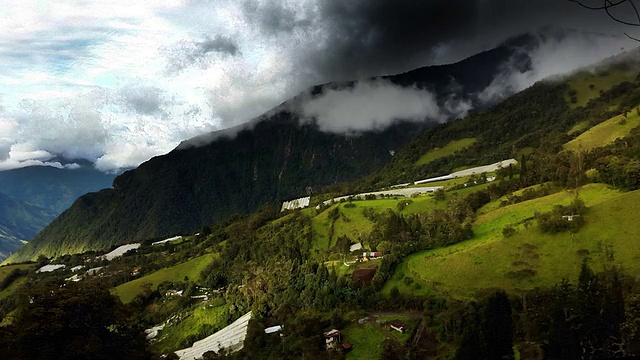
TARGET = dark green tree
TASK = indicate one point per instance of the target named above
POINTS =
(498, 327)
(72, 321)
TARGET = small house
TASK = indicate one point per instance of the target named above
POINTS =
(273, 329)
(332, 339)
(569, 217)
(397, 325)
(355, 247)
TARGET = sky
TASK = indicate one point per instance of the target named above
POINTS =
(117, 82)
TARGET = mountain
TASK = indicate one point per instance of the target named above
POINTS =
(52, 188)
(19, 222)
(277, 157)
(552, 238)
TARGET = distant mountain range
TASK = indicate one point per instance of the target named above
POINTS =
(31, 197)
(19, 221)
(52, 188)
(277, 158)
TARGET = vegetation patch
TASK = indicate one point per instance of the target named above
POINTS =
(366, 341)
(588, 85)
(605, 133)
(8, 269)
(488, 256)
(187, 327)
(191, 269)
(447, 150)
(582, 125)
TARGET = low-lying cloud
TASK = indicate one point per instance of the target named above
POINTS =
(555, 54)
(373, 104)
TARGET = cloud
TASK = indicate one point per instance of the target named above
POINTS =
(118, 82)
(370, 105)
(146, 100)
(555, 53)
(278, 16)
(186, 54)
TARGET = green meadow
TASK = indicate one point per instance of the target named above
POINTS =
(529, 258)
(200, 322)
(355, 225)
(366, 341)
(588, 85)
(447, 150)
(192, 268)
(6, 270)
(605, 133)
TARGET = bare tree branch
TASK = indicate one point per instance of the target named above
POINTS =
(598, 7)
(632, 38)
(607, 9)
(608, 5)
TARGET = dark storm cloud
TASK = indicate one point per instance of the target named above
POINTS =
(362, 38)
(219, 44)
(186, 54)
(275, 17)
(372, 37)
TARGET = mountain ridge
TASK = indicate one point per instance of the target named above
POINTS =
(281, 156)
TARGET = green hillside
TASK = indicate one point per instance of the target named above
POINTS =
(540, 260)
(190, 269)
(449, 149)
(489, 260)
(605, 133)
(588, 85)
(275, 157)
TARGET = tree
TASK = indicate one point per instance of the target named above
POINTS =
(610, 7)
(72, 321)
(498, 327)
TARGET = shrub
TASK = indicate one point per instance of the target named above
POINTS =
(403, 204)
(508, 231)
(522, 274)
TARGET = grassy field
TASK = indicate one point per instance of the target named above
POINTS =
(192, 268)
(588, 85)
(605, 132)
(204, 317)
(449, 149)
(578, 127)
(6, 270)
(366, 341)
(491, 261)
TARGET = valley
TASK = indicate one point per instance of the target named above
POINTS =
(532, 235)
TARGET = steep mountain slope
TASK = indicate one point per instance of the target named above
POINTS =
(19, 222)
(52, 188)
(531, 119)
(279, 158)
